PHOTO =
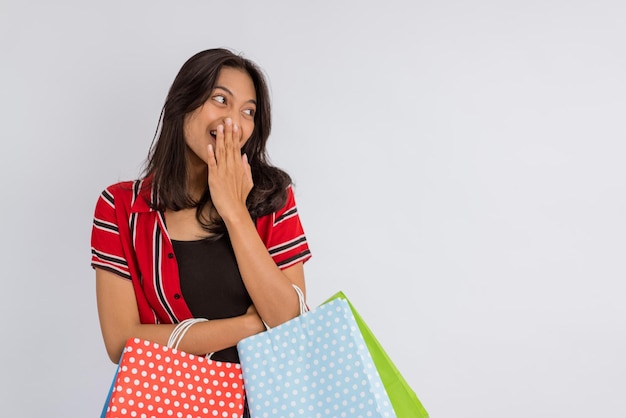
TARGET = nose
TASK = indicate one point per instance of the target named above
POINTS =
(234, 117)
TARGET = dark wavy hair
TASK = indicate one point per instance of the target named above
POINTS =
(166, 164)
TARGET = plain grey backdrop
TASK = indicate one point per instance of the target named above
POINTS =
(459, 170)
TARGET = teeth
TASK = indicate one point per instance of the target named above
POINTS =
(214, 133)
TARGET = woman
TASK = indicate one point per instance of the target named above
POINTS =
(211, 230)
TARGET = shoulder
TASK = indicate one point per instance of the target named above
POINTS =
(288, 206)
(121, 188)
(287, 211)
(124, 192)
(283, 234)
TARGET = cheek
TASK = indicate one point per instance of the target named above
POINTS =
(247, 133)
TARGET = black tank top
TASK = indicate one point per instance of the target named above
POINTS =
(211, 283)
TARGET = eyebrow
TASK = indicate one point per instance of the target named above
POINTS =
(231, 93)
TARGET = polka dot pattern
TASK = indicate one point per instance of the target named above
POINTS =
(316, 365)
(155, 381)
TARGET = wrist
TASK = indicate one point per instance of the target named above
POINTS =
(238, 216)
(254, 324)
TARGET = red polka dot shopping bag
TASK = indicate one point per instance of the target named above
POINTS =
(154, 381)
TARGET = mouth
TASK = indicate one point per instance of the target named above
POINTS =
(213, 134)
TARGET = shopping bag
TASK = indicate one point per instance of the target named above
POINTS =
(153, 380)
(403, 398)
(315, 365)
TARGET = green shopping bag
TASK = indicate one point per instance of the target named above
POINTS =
(403, 398)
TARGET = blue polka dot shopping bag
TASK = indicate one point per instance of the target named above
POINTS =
(315, 365)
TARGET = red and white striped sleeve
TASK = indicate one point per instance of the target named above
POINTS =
(283, 234)
(106, 244)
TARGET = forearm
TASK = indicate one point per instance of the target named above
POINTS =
(119, 321)
(230, 182)
(270, 288)
(202, 337)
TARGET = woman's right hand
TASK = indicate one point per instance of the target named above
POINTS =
(256, 323)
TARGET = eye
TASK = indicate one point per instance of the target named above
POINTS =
(220, 99)
(250, 112)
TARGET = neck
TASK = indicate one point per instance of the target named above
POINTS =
(197, 178)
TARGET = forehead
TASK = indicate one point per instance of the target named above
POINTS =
(237, 81)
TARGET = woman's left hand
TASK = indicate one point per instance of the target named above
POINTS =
(230, 176)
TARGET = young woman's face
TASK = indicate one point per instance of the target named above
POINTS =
(232, 97)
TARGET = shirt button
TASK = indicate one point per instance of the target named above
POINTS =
(176, 296)
(170, 255)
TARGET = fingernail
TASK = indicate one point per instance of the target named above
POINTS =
(235, 127)
(228, 121)
(220, 128)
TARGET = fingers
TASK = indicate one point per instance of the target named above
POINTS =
(246, 168)
(229, 173)
(228, 142)
(211, 158)
(220, 150)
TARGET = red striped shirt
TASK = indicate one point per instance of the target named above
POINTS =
(129, 238)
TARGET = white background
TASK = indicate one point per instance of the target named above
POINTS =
(459, 170)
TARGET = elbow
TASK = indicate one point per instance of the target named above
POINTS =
(114, 359)
(114, 352)
(287, 317)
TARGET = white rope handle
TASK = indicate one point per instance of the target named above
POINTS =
(302, 302)
(303, 307)
(180, 330)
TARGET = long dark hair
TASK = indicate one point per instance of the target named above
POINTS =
(166, 164)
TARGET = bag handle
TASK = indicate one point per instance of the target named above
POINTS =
(180, 330)
(303, 307)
